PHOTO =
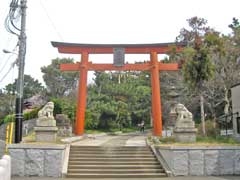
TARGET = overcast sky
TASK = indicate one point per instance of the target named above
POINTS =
(104, 21)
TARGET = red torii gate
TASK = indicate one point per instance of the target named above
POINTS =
(85, 65)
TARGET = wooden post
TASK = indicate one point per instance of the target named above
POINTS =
(82, 93)
(156, 99)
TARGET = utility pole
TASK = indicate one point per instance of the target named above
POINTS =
(20, 81)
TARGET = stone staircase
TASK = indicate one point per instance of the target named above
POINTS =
(113, 162)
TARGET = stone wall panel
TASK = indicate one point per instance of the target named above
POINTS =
(53, 163)
(211, 162)
(18, 162)
(180, 163)
(196, 163)
(34, 162)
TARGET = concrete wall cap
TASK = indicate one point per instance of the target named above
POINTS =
(36, 146)
(198, 147)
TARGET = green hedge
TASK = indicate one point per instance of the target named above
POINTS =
(26, 116)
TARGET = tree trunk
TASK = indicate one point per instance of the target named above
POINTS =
(214, 121)
(227, 103)
(202, 114)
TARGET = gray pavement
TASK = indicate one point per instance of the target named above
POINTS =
(167, 178)
(128, 139)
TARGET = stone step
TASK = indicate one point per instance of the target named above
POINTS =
(110, 147)
(111, 150)
(118, 166)
(138, 175)
(112, 159)
(113, 162)
(110, 153)
(136, 163)
(130, 148)
(114, 171)
(110, 156)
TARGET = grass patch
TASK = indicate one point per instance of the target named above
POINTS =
(217, 139)
(200, 141)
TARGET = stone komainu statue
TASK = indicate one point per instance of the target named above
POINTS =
(45, 115)
(182, 112)
(184, 117)
(46, 111)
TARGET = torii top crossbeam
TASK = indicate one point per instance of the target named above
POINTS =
(153, 66)
(73, 48)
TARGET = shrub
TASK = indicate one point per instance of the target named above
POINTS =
(212, 129)
(57, 106)
(26, 116)
(90, 123)
(31, 114)
(64, 106)
(9, 118)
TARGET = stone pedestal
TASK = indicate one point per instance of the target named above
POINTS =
(46, 134)
(46, 122)
(46, 130)
(185, 135)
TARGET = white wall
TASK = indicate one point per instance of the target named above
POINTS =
(235, 90)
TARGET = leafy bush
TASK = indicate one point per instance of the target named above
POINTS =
(64, 106)
(57, 106)
(90, 123)
(26, 116)
(9, 118)
(31, 114)
(212, 129)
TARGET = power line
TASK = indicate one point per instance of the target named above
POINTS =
(11, 67)
(4, 65)
(13, 17)
(50, 20)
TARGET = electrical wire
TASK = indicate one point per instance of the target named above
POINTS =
(50, 20)
(11, 67)
(4, 56)
(13, 17)
(4, 65)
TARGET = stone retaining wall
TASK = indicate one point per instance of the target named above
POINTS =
(37, 160)
(28, 126)
(2, 147)
(201, 161)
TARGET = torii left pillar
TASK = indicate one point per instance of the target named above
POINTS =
(156, 98)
